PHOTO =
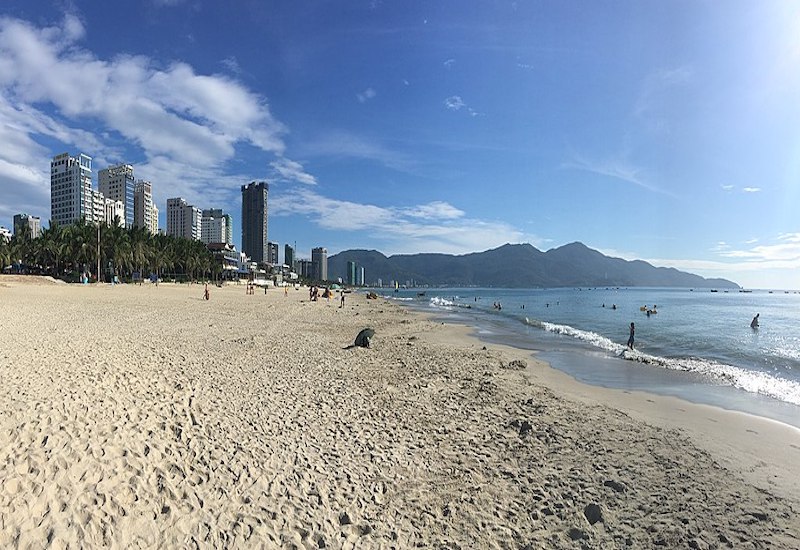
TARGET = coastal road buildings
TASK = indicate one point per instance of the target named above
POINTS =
(216, 227)
(71, 195)
(272, 253)
(145, 213)
(117, 183)
(254, 220)
(183, 220)
(319, 262)
(25, 223)
(288, 256)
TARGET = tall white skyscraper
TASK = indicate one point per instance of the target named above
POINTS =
(216, 227)
(71, 195)
(145, 213)
(117, 183)
(183, 220)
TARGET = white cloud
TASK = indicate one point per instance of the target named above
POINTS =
(449, 63)
(398, 229)
(232, 64)
(366, 95)
(292, 171)
(727, 187)
(188, 125)
(751, 189)
(454, 102)
(434, 210)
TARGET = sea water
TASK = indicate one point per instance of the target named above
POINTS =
(695, 344)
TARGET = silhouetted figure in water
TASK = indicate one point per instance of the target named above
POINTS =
(630, 338)
(754, 322)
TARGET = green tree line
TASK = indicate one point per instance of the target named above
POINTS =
(65, 251)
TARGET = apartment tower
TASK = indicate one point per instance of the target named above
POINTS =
(71, 189)
(145, 213)
(117, 183)
(254, 220)
(319, 262)
(183, 220)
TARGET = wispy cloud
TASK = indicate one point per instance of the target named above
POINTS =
(290, 170)
(455, 103)
(366, 95)
(232, 64)
(449, 63)
(340, 143)
(615, 169)
(433, 227)
(751, 189)
(657, 85)
(727, 187)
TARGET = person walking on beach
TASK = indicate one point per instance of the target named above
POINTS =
(341, 305)
(630, 338)
(206, 294)
(754, 322)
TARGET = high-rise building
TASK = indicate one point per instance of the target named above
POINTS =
(361, 276)
(319, 260)
(71, 189)
(216, 227)
(145, 213)
(26, 223)
(288, 256)
(114, 213)
(183, 220)
(254, 220)
(351, 273)
(272, 253)
(98, 214)
(117, 183)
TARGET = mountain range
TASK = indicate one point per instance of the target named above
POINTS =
(517, 266)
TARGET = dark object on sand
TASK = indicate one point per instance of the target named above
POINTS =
(362, 340)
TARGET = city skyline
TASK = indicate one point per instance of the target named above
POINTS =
(667, 134)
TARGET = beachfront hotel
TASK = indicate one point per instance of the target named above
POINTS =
(183, 220)
(216, 227)
(254, 220)
(145, 213)
(117, 184)
(26, 222)
(71, 194)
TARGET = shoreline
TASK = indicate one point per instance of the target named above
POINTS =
(762, 450)
(148, 416)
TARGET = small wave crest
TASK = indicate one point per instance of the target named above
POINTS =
(748, 380)
(439, 301)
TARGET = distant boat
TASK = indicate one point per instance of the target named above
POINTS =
(420, 294)
(746, 291)
(714, 290)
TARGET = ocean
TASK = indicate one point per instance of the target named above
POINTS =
(698, 346)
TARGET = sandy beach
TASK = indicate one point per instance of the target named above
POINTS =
(144, 417)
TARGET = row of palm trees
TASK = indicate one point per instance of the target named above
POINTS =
(67, 251)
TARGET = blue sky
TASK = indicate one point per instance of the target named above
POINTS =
(665, 131)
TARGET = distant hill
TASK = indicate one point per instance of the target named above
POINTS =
(518, 266)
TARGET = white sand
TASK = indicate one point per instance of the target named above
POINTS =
(148, 417)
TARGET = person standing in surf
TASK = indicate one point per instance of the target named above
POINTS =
(754, 322)
(630, 338)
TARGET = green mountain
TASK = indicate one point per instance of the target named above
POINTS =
(517, 266)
